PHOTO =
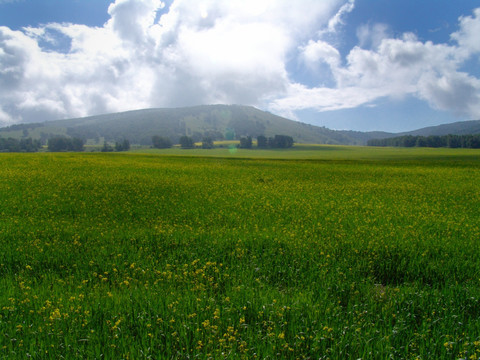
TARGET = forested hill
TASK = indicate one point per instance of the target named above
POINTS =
(215, 121)
(457, 128)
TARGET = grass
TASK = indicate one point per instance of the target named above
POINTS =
(336, 253)
(320, 152)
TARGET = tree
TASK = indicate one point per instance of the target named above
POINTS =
(58, 143)
(207, 143)
(435, 141)
(454, 141)
(281, 141)
(22, 145)
(76, 144)
(229, 134)
(30, 145)
(262, 141)
(106, 147)
(161, 142)
(451, 141)
(61, 143)
(186, 142)
(246, 142)
(123, 145)
(421, 141)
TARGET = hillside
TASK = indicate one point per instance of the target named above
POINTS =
(210, 120)
(457, 128)
(215, 121)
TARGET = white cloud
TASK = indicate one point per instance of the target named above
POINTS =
(393, 68)
(324, 99)
(320, 51)
(467, 36)
(198, 52)
(371, 36)
(5, 118)
(456, 92)
(132, 19)
(236, 51)
(337, 20)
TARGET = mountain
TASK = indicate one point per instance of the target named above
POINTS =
(215, 121)
(457, 128)
(470, 127)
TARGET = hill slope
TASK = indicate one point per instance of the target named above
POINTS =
(457, 128)
(209, 120)
(214, 121)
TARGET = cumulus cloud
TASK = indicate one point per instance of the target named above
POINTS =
(132, 19)
(337, 20)
(198, 52)
(371, 36)
(393, 68)
(320, 51)
(467, 36)
(195, 52)
(455, 92)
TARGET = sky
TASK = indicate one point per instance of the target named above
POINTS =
(386, 65)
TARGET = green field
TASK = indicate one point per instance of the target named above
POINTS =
(313, 253)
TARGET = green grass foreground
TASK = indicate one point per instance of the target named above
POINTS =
(373, 255)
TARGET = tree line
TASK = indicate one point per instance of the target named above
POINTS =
(22, 145)
(276, 142)
(448, 141)
(61, 143)
(246, 142)
(123, 145)
(58, 143)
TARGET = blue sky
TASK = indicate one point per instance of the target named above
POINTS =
(344, 64)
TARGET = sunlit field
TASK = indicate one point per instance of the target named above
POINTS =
(312, 253)
(321, 152)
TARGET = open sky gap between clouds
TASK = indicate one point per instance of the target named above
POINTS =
(233, 52)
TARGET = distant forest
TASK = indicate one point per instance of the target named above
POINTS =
(22, 145)
(63, 143)
(448, 141)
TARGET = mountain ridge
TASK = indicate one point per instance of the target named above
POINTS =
(213, 121)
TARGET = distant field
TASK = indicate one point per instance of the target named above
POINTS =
(322, 152)
(333, 253)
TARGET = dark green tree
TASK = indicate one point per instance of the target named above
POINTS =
(262, 142)
(61, 143)
(230, 134)
(280, 141)
(58, 143)
(161, 142)
(186, 142)
(76, 144)
(207, 143)
(246, 142)
(123, 145)
(454, 141)
(22, 145)
(450, 141)
(107, 147)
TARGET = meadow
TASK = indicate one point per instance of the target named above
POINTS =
(313, 253)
